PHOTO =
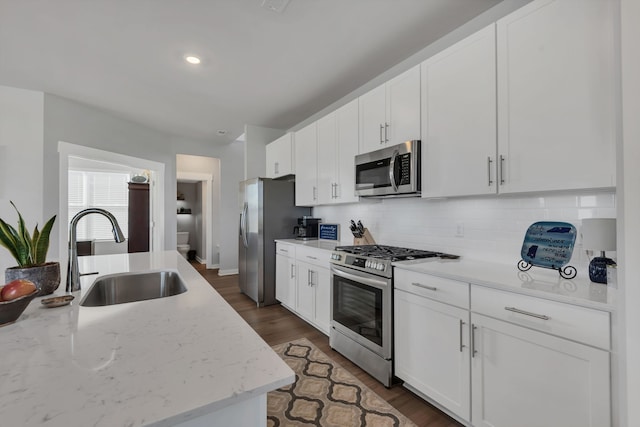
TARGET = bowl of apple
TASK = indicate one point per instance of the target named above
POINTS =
(15, 296)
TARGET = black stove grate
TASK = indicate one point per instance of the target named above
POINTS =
(392, 253)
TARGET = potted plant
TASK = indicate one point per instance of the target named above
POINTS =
(30, 252)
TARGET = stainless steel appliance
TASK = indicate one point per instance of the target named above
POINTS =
(390, 172)
(307, 228)
(267, 212)
(362, 304)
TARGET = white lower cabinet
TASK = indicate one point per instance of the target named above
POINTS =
(432, 350)
(303, 283)
(286, 275)
(527, 378)
(313, 295)
(494, 358)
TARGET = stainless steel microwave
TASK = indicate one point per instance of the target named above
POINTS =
(391, 171)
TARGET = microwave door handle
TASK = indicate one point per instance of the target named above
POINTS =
(392, 170)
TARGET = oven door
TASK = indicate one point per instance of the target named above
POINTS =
(361, 308)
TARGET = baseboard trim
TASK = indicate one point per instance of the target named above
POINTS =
(213, 267)
(228, 272)
(200, 260)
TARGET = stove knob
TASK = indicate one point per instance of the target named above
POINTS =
(367, 264)
(380, 267)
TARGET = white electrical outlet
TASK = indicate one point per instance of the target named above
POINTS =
(459, 229)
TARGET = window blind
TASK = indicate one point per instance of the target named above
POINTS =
(106, 190)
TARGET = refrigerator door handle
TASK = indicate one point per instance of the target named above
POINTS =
(243, 225)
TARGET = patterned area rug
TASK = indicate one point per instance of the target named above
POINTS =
(325, 394)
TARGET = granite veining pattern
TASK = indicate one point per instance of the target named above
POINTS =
(156, 362)
(538, 282)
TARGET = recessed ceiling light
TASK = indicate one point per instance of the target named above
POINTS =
(192, 59)
(277, 6)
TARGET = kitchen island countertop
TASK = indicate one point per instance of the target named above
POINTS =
(158, 362)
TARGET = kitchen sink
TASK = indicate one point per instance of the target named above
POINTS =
(130, 287)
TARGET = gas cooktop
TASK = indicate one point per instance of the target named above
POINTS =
(391, 253)
(377, 259)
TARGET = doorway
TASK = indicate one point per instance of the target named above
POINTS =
(71, 154)
(198, 182)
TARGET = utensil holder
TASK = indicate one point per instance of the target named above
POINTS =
(366, 239)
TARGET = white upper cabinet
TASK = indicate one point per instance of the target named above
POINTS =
(556, 96)
(279, 154)
(306, 166)
(390, 113)
(459, 118)
(337, 147)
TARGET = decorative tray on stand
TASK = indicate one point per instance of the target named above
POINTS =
(549, 244)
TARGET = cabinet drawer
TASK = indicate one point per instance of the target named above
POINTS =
(437, 288)
(580, 324)
(315, 256)
(286, 249)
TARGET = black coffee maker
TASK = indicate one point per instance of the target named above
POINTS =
(307, 228)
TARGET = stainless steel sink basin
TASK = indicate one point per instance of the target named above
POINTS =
(130, 287)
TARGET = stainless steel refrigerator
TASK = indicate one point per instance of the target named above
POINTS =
(267, 212)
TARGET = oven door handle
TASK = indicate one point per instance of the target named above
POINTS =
(392, 170)
(338, 271)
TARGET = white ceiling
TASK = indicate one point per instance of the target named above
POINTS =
(258, 67)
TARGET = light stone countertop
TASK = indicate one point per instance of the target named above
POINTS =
(328, 245)
(157, 362)
(538, 282)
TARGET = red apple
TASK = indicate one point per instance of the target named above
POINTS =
(16, 289)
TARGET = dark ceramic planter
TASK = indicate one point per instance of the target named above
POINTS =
(46, 276)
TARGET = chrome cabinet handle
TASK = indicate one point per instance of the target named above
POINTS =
(501, 169)
(276, 165)
(462, 323)
(311, 257)
(420, 285)
(381, 140)
(489, 161)
(315, 193)
(527, 313)
(308, 277)
(473, 340)
(293, 271)
(386, 132)
(311, 278)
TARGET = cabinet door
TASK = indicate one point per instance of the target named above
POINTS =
(327, 157)
(459, 118)
(403, 107)
(347, 145)
(279, 155)
(321, 282)
(556, 96)
(305, 291)
(306, 166)
(432, 350)
(286, 281)
(526, 378)
(372, 106)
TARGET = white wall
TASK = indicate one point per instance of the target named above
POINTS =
(76, 123)
(21, 159)
(630, 210)
(256, 140)
(493, 227)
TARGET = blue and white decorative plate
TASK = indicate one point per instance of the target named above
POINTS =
(549, 244)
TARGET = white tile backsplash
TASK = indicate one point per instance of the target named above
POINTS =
(494, 227)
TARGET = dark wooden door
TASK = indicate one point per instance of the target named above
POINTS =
(138, 217)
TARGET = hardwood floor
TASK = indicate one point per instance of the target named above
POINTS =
(275, 324)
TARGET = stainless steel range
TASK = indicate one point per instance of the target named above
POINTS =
(362, 304)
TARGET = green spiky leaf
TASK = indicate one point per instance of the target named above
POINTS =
(41, 242)
(27, 250)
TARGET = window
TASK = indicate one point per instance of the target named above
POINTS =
(97, 189)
